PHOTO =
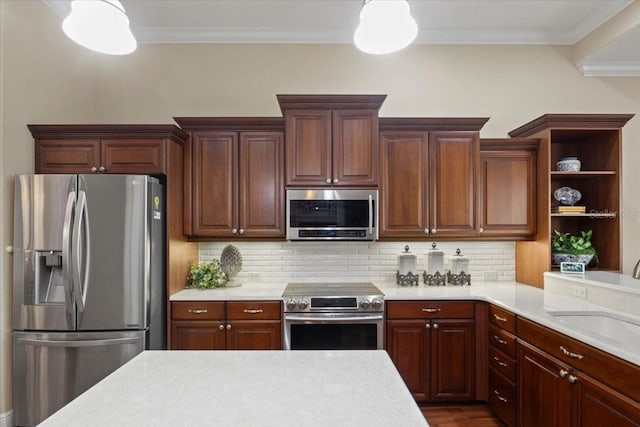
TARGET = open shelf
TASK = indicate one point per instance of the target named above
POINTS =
(587, 215)
(582, 174)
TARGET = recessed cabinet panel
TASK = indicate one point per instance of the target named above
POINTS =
(453, 183)
(215, 183)
(133, 156)
(404, 171)
(308, 146)
(65, 156)
(261, 189)
(355, 147)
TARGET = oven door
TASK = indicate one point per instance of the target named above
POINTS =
(333, 331)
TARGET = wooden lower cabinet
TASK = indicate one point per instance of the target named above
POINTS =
(231, 325)
(555, 392)
(435, 356)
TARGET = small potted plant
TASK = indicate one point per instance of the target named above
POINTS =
(207, 275)
(566, 247)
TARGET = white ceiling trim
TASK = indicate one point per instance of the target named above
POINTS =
(610, 69)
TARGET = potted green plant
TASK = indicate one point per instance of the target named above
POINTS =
(566, 247)
(206, 275)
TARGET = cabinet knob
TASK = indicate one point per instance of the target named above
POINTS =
(573, 379)
(241, 231)
(228, 327)
(335, 180)
(328, 180)
(427, 325)
(94, 169)
(481, 230)
(426, 231)
(102, 169)
(435, 326)
(563, 373)
(433, 231)
(221, 327)
(234, 231)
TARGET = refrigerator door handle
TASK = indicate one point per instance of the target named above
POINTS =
(82, 217)
(82, 343)
(66, 250)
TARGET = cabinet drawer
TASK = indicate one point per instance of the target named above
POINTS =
(253, 310)
(502, 363)
(502, 340)
(502, 398)
(197, 310)
(502, 318)
(430, 310)
(617, 373)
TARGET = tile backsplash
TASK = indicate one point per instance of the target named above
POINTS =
(358, 261)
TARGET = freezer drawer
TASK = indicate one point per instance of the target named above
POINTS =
(51, 369)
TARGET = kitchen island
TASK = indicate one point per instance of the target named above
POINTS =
(250, 388)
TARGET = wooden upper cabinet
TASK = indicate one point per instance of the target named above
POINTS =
(235, 177)
(215, 183)
(403, 188)
(453, 179)
(121, 149)
(508, 187)
(261, 189)
(331, 139)
(308, 142)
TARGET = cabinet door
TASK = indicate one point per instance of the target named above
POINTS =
(133, 156)
(261, 188)
(197, 335)
(600, 406)
(452, 360)
(355, 147)
(408, 343)
(455, 160)
(254, 335)
(60, 156)
(215, 183)
(403, 189)
(508, 195)
(544, 398)
(308, 147)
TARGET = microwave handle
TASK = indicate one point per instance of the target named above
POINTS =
(370, 214)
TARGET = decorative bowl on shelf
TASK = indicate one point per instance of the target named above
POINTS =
(568, 164)
(567, 195)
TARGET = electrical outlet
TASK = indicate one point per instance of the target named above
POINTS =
(579, 291)
(490, 276)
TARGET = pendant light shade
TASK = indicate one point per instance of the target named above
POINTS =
(385, 26)
(100, 25)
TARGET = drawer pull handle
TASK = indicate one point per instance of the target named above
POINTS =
(432, 310)
(500, 340)
(499, 318)
(571, 353)
(499, 362)
(253, 310)
(198, 310)
(500, 398)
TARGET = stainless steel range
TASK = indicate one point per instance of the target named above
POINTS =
(333, 316)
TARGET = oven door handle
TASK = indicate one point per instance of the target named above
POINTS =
(333, 318)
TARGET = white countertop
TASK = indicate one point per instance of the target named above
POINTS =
(247, 388)
(529, 302)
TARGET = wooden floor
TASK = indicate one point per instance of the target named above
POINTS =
(460, 416)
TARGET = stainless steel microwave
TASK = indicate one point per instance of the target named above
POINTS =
(332, 214)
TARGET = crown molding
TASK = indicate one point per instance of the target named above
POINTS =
(610, 69)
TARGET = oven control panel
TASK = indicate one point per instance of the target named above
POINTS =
(333, 304)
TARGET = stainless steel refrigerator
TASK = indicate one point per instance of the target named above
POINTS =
(89, 283)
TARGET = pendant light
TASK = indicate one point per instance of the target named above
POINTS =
(100, 25)
(385, 26)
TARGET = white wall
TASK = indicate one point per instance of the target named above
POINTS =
(48, 79)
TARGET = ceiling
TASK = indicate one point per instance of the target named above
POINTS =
(566, 22)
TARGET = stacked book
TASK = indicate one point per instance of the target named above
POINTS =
(568, 209)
